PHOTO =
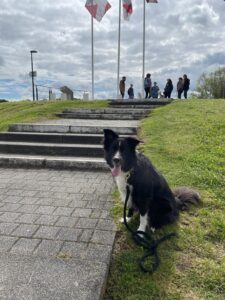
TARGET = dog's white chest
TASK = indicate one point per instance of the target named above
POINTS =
(121, 184)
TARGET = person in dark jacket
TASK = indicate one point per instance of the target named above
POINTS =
(131, 92)
(186, 85)
(122, 86)
(179, 87)
(168, 89)
(147, 86)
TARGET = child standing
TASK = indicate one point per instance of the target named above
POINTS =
(155, 90)
(131, 92)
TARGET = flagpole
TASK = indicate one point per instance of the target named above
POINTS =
(118, 53)
(92, 58)
(143, 61)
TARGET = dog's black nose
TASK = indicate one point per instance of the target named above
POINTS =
(116, 160)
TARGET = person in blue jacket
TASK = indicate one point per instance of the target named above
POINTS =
(155, 90)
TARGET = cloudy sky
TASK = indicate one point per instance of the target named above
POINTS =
(182, 36)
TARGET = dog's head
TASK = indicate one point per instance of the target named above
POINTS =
(120, 153)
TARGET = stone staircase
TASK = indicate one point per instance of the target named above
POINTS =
(74, 141)
(106, 114)
(139, 104)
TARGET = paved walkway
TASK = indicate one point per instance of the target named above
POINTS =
(56, 235)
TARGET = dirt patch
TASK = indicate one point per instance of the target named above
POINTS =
(191, 296)
(185, 262)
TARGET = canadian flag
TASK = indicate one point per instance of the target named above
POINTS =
(97, 8)
(127, 9)
(152, 1)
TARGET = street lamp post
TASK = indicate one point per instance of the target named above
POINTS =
(36, 92)
(32, 71)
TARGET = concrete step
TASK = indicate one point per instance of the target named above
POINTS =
(123, 110)
(136, 107)
(103, 116)
(66, 138)
(52, 162)
(64, 128)
(139, 103)
(51, 149)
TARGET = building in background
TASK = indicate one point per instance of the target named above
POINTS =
(67, 93)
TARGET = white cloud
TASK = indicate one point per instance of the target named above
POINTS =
(184, 36)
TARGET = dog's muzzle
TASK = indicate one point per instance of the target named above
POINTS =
(116, 170)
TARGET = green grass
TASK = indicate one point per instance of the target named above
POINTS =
(27, 111)
(186, 142)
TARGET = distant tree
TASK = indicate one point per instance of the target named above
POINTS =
(212, 85)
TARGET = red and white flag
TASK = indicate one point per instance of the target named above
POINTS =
(152, 1)
(127, 9)
(97, 8)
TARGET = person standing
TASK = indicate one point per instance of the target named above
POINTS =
(155, 90)
(168, 88)
(147, 86)
(122, 86)
(186, 85)
(131, 92)
(179, 87)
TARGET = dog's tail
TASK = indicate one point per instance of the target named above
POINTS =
(185, 197)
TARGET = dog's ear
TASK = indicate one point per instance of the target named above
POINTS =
(109, 137)
(133, 142)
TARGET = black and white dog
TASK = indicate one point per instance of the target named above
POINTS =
(150, 194)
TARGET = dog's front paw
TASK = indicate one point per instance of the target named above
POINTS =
(140, 233)
(127, 219)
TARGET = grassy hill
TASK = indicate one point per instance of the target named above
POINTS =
(186, 142)
(28, 111)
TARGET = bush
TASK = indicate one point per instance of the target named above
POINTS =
(212, 85)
